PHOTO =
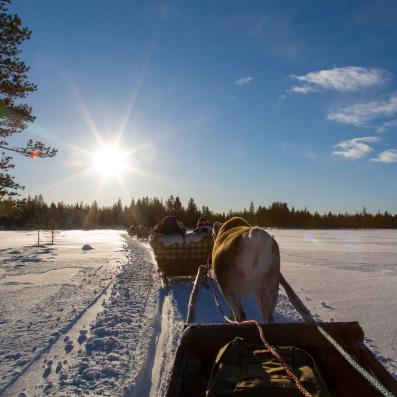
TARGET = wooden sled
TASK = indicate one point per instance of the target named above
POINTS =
(200, 344)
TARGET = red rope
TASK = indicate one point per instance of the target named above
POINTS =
(267, 345)
(275, 354)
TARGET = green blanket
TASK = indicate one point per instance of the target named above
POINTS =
(240, 370)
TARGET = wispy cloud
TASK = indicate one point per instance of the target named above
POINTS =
(302, 89)
(386, 125)
(345, 79)
(362, 113)
(388, 156)
(355, 148)
(243, 81)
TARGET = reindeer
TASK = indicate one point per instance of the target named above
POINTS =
(246, 261)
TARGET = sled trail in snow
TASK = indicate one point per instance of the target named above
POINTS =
(104, 353)
(45, 290)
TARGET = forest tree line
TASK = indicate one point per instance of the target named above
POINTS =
(34, 213)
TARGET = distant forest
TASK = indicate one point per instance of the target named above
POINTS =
(34, 213)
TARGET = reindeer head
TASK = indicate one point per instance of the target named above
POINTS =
(215, 229)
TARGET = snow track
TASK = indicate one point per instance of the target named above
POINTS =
(30, 374)
(40, 328)
(172, 323)
(109, 346)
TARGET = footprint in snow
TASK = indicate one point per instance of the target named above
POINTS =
(323, 304)
(83, 336)
(47, 371)
(69, 346)
(59, 367)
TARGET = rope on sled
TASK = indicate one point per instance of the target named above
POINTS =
(267, 345)
(370, 378)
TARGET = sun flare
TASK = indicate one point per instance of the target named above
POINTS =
(109, 161)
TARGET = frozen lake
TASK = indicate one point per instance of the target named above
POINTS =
(346, 275)
(97, 322)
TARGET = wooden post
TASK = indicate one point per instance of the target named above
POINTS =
(193, 296)
(297, 302)
(38, 237)
(52, 236)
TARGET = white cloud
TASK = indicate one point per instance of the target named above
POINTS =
(302, 89)
(355, 148)
(362, 113)
(243, 81)
(386, 125)
(388, 156)
(345, 79)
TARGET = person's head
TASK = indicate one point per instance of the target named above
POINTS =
(203, 221)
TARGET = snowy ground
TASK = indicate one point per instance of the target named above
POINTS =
(346, 275)
(99, 322)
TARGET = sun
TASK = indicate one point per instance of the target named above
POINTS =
(109, 161)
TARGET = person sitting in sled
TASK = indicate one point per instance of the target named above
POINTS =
(169, 225)
(203, 226)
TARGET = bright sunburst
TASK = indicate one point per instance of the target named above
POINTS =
(109, 161)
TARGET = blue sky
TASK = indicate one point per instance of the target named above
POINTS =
(226, 102)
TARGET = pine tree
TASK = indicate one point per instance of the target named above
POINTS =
(170, 204)
(14, 87)
(192, 213)
(178, 208)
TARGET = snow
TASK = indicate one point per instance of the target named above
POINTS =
(102, 323)
(345, 275)
(45, 290)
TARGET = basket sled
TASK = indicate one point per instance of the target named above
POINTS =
(179, 256)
